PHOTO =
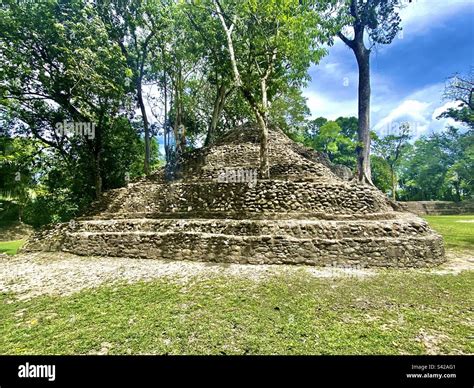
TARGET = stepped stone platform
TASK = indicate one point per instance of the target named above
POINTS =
(438, 208)
(211, 207)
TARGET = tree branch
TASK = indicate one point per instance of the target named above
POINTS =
(346, 40)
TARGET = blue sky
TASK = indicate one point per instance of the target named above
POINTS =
(408, 76)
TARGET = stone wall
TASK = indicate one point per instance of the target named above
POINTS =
(422, 208)
(265, 196)
(405, 242)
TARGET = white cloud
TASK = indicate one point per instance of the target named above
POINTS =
(331, 67)
(331, 109)
(420, 16)
(420, 109)
(412, 111)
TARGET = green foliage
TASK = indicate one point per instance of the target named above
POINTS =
(289, 111)
(275, 41)
(336, 139)
(19, 160)
(69, 69)
(348, 126)
(124, 153)
(327, 138)
(58, 206)
(52, 188)
(80, 61)
(439, 167)
(380, 18)
(381, 174)
(392, 148)
(9, 210)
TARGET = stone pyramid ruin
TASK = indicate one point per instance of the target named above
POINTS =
(215, 209)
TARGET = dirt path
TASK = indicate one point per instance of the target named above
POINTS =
(63, 274)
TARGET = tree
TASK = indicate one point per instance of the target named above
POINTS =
(381, 21)
(337, 139)
(66, 70)
(458, 148)
(136, 26)
(270, 43)
(209, 43)
(460, 89)
(391, 149)
(439, 167)
(18, 167)
(349, 126)
(288, 110)
(347, 154)
(330, 140)
(381, 176)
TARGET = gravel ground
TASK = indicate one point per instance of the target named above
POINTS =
(30, 275)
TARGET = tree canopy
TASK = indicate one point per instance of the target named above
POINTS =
(93, 94)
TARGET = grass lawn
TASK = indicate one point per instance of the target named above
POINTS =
(393, 312)
(11, 247)
(396, 312)
(457, 233)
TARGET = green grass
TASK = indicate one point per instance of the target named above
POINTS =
(456, 233)
(11, 247)
(296, 314)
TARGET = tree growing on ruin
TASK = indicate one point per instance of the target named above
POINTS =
(270, 44)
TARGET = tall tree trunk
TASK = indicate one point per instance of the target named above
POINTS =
(146, 128)
(97, 175)
(394, 184)
(216, 112)
(263, 120)
(363, 150)
(260, 116)
(264, 164)
(165, 107)
(98, 161)
(165, 118)
(177, 115)
(362, 55)
(178, 127)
